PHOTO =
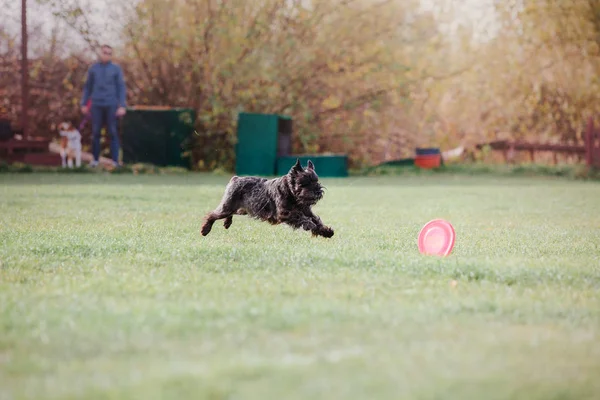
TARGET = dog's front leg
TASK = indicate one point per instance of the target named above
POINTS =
(320, 229)
(63, 157)
(297, 220)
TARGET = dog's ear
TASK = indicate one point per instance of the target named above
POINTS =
(297, 168)
(311, 166)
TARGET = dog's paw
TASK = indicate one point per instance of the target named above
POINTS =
(205, 229)
(227, 222)
(326, 232)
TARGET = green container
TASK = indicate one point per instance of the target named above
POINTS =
(156, 136)
(405, 162)
(330, 166)
(261, 138)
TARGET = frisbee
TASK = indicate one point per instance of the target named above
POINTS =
(437, 238)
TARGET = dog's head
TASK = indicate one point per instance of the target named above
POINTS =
(305, 184)
(65, 126)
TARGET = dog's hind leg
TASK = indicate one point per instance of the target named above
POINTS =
(78, 158)
(228, 207)
(224, 211)
(229, 220)
(212, 216)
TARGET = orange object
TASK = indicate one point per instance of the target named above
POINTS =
(428, 161)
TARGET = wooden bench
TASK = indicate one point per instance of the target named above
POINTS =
(15, 150)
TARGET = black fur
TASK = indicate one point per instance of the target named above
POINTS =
(285, 200)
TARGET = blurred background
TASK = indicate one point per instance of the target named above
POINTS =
(373, 79)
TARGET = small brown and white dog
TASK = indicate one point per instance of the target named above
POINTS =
(70, 144)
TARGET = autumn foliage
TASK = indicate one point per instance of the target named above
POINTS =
(370, 78)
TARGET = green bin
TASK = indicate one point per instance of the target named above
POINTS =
(156, 135)
(261, 139)
(326, 165)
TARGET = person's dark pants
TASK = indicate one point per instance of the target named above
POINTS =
(105, 115)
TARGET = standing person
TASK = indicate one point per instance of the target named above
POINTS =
(105, 87)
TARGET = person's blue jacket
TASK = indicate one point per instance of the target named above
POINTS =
(104, 85)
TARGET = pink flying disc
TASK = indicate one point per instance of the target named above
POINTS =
(437, 238)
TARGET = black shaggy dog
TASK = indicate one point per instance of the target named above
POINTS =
(284, 200)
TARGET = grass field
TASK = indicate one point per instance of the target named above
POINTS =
(107, 290)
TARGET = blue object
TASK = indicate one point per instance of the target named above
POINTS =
(105, 115)
(105, 85)
(428, 151)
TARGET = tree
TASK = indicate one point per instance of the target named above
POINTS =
(538, 76)
(330, 66)
(373, 78)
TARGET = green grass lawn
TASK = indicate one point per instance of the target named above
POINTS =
(107, 290)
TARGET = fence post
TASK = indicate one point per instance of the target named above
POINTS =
(589, 142)
(24, 71)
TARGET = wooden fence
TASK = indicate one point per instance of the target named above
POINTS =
(590, 150)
